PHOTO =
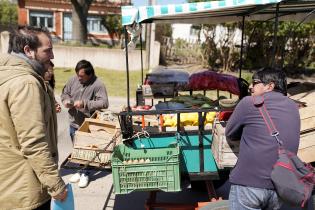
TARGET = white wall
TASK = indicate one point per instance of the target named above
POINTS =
(183, 31)
(114, 59)
(4, 41)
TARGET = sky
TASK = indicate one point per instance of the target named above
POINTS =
(145, 2)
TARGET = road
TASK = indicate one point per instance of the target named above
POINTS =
(99, 196)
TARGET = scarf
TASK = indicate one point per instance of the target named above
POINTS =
(36, 66)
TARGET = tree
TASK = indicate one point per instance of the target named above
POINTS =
(163, 32)
(80, 9)
(8, 13)
(293, 49)
(113, 26)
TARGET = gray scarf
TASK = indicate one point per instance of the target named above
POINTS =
(36, 66)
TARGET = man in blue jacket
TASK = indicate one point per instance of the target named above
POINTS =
(252, 187)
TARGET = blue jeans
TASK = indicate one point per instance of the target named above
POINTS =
(72, 131)
(250, 198)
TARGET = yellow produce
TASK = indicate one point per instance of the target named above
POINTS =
(210, 117)
(187, 119)
(168, 123)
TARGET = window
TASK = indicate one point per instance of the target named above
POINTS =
(94, 24)
(45, 19)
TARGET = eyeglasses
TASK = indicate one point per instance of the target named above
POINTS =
(256, 81)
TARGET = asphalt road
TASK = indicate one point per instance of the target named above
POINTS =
(99, 194)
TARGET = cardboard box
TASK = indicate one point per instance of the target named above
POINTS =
(94, 134)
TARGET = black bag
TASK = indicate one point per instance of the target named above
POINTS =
(293, 179)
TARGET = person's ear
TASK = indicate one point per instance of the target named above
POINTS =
(271, 86)
(29, 52)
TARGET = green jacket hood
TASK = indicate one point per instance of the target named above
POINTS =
(12, 66)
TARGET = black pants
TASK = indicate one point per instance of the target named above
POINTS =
(45, 206)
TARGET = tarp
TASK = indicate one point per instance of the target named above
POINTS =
(217, 11)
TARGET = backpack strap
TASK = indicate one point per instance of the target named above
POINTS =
(259, 103)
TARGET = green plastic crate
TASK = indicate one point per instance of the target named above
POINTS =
(145, 169)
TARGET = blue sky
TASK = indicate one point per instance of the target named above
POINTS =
(145, 2)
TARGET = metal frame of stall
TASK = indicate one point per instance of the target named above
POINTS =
(127, 115)
(257, 10)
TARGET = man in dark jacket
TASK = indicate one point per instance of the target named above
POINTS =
(83, 94)
(252, 187)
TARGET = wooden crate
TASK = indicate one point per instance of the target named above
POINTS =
(94, 142)
(224, 151)
(307, 115)
(91, 157)
(307, 147)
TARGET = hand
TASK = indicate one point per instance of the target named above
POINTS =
(58, 108)
(78, 104)
(61, 196)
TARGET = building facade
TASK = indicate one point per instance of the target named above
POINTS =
(56, 15)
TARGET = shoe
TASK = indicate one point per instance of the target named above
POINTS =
(84, 181)
(75, 178)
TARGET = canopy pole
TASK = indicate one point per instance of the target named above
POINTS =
(275, 34)
(127, 67)
(141, 55)
(242, 47)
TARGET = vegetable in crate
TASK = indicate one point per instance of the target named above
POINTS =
(193, 100)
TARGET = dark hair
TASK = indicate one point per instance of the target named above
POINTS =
(25, 35)
(278, 77)
(86, 66)
(52, 81)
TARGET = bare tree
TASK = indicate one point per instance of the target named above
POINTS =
(80, 9)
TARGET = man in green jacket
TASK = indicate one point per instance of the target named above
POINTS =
(28, 149)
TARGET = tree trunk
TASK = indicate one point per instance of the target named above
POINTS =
(80, 9)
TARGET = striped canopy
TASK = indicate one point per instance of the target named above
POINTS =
(217, 11)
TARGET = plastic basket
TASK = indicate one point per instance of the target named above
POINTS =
(145, 169)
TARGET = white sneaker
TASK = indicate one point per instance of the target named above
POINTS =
(75, 178)
(84, 181)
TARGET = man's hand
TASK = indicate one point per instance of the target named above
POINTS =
(78, 104)
(58, 107)
(61, 196)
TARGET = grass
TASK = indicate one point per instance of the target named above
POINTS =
(115, 81)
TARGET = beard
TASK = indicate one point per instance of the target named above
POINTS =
(40, 60)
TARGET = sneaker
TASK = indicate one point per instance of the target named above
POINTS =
(84, 181)
(75, 178)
